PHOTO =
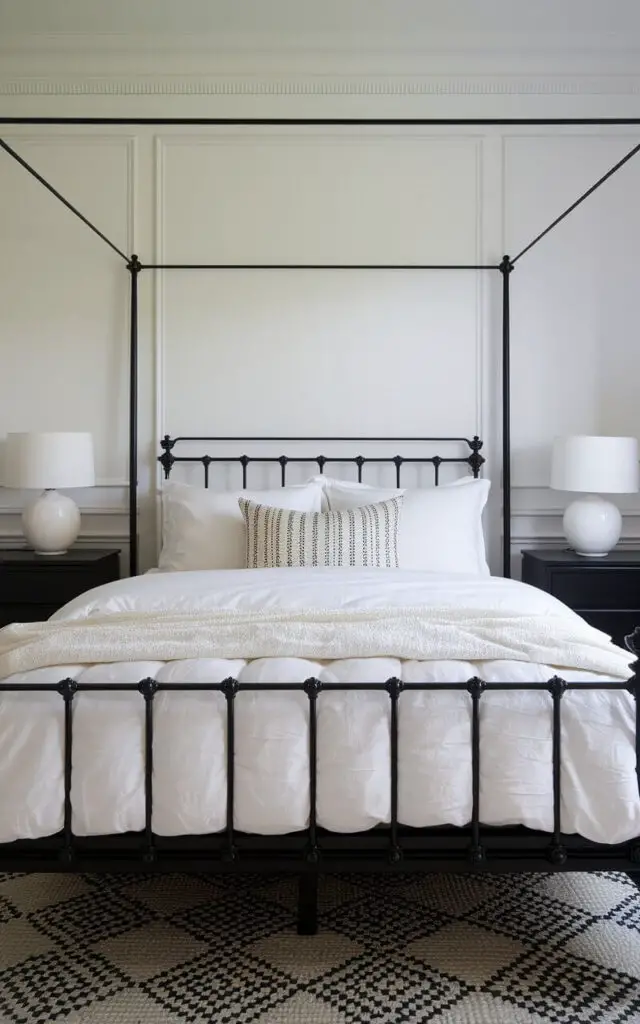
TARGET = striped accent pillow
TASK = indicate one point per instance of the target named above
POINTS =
(363, 536)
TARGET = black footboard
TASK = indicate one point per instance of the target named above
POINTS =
(395, 847)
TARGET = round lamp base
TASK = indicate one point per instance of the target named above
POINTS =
(51, 523)
(592, 526)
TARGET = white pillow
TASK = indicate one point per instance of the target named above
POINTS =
(203, 529)
(440, 528)
(362, 536)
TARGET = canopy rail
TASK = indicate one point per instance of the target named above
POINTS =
(585, 195)
(319, 266)
(330, 121)
(85, 220)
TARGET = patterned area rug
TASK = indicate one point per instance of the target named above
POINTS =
(522, 949)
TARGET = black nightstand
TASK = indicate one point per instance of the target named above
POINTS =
(604, 591)
(33, 587)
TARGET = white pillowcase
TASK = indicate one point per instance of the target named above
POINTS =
(203, 529)
(440, 527)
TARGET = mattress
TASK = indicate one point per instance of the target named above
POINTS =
(600, 798)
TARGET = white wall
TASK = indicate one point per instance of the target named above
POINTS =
(313, 353)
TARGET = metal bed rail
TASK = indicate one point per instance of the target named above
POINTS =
(315, 850)
(474, 460)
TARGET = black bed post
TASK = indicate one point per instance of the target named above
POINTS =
(632, 642)
(134, 267)
(506, 267)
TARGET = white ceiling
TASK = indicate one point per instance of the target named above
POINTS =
(410, 23)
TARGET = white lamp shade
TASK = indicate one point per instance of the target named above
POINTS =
(597, 465)
(51, 460)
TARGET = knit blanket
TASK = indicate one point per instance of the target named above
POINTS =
(415, 633)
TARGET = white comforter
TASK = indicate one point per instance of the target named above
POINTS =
(292, 624)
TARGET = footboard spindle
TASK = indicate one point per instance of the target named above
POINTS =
(148, 688)
(394, 689)
(312, 688)
(308, 882)
(67, 688)
(475, 687)
(557, 852)
(229, 688)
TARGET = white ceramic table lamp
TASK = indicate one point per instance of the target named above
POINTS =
(594, 466)
(51, 522)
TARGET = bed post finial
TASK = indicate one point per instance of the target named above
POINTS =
(475, 460)
(166, 460)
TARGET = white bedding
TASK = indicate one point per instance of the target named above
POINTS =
(511, 627)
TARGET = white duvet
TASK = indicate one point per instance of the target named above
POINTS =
(266, 626)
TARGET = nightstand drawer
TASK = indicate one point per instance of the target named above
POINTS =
(597, 588)
(35, 586)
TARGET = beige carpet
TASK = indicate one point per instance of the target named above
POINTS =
(199, 950)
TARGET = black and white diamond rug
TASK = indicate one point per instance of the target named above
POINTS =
(443, 949)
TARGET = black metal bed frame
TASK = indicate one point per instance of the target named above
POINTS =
(315, 850)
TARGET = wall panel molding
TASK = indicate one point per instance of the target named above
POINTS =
(324, 137)
(543, 527)
(105, 527)
(100, 527)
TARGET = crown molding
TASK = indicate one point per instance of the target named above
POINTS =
(322, 64)
(324, 85)
(355, 40)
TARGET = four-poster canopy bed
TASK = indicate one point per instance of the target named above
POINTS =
(310, 848)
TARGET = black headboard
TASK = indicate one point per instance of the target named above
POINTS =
(470, 449)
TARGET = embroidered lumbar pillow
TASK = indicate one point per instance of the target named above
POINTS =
(363, 536)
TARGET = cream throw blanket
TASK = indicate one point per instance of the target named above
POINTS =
(422, 633)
